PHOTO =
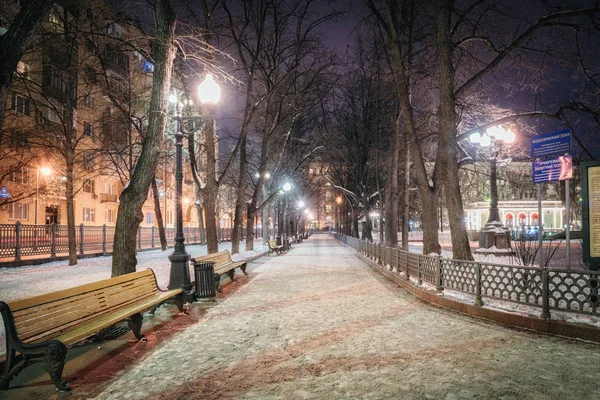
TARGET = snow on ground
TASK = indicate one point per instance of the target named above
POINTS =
(317, 323)
(28, 281)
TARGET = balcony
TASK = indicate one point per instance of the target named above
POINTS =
(108, 198)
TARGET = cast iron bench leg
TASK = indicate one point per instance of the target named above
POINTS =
(56, 352)
(217, 278)
(231, 274)
(243, 268)
(135, 323)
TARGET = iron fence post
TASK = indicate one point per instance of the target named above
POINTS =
(81, 239)
(53, 240)
(545, 295)
(419, 278)
(139, 238)
(104, 239)
(152, 241)
(438, 274)
(478, 301)
(18, 241)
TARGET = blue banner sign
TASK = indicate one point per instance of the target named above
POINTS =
(550, 144)
(4, 193)
(553, 169)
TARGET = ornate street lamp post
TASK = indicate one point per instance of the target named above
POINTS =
(491, 143)
(209, 92)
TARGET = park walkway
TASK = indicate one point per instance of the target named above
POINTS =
(319, 323)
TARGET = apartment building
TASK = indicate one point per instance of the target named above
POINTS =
(77, 107)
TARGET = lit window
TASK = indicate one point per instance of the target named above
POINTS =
(88, 101)
(18, 211)
(23, 69)
(149, 218)
(110, 216)
(109, 188)
(19, 175)
(88, 214)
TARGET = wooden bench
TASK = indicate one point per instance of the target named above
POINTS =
(274, 247)
(223, 264)
(40, 327)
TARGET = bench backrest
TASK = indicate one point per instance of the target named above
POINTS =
(220, 258)
(272, 243)
(47, 316)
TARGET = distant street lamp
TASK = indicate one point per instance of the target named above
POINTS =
(491, 144)
(45, 171)
(209, 93)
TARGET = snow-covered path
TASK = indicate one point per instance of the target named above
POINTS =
(318, 323)
(21, 282)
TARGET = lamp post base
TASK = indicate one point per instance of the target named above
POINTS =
(180, 275)
(494, 239)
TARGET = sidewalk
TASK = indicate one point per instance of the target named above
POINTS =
(27, 281)
(318, 323)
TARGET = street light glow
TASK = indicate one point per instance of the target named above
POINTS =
(307, 211)
(209, 91)
(287, 186)
(485, 141)
(45, 171)
(300, 204)
(339, 200)
(475, 137)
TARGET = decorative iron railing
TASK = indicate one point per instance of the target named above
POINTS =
(18, 240)
(545, 289)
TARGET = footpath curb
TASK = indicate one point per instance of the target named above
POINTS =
(549, 327)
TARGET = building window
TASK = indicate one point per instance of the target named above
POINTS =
(88, 129)
(20, 175)
(89, 186)
(88, 101)
(18, 211)
(18, 139)
(169, 216)
(328, 209)
(20, 104)
(88, 214)
(24, 69)
(109, 188)
(149, 218)
(88, 160)
(110, 216)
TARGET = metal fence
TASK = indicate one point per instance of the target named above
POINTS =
(554, 289)
(18, 240)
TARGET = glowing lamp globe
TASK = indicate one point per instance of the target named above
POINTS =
(209, 91)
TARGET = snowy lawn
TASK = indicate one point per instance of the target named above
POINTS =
(28, 281)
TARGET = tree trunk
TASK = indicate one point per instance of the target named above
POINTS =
(200, 211)
(17, 39)
(136, 192)
(240, 201)
(159, 219)
(69, 195)
(265, 220)
(210, 209)
(447, 143)
(391, 192)
(406, 214)
(211, 190)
